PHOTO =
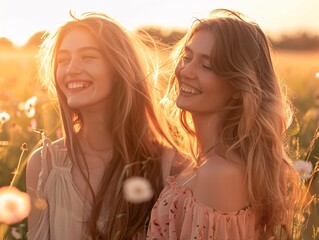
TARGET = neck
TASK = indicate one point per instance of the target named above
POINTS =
(96, 131)
(97, 145)
(207, 128)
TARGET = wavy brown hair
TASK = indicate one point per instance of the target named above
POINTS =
(138, 132)
(255, 124)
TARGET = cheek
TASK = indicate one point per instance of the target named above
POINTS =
(178, 69)
(228, 93)
(221, 91)
(107, 86)
(59, 75)
(108, 79)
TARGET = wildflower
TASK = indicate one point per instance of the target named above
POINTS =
(304, 168)
(32, 125)
(16, 233)
(137, 190)
(30, 103)
(24, 147)
(29, 107)
(30, 112)
(14, 205)
(4, 117)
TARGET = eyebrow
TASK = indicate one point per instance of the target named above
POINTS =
(204, 56)
(83, 49)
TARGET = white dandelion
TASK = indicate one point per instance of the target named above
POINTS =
(4, 117)
(30, 103)
(30, 112)
(15, 233)
(137, 190)
(14, 205)
(304, 168)
(29, 107)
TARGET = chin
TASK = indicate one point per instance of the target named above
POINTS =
(181, 106)
(180, 103)
(75, 105)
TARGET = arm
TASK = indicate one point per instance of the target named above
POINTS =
(32, 175)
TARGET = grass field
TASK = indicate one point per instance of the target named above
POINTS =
(298, 70)
(18, 82)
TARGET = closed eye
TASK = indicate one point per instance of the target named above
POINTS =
(208, 67)
(62, 59)
(186, 58)
(89, 57)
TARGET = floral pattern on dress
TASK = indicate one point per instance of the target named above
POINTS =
(178, 215)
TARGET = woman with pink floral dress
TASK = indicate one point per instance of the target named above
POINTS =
(234, 115)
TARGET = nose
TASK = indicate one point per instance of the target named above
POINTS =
(188, 69)
(74, 67)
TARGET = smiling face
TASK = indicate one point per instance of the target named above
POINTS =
(83, 74)
(201, 90)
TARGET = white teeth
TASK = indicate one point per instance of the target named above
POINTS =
(190, 90)
(74, 85)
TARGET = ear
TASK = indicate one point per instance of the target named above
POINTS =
(237, 95)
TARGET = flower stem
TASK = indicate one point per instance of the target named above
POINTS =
(16, 171)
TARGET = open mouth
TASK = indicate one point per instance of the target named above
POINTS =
(189, 90)
(78, 85)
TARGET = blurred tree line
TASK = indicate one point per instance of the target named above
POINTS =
(298, 41)
(301, 41)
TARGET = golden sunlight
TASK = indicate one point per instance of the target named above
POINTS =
(19, 23)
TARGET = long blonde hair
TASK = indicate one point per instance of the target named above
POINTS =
(137, 130)
(255, 124)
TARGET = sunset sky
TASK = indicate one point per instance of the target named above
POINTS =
(20, 19)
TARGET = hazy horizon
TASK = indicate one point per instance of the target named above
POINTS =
(20, 19)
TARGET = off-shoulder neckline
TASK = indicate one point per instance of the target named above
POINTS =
(171, 182)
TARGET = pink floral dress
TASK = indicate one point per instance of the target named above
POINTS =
(178, 215)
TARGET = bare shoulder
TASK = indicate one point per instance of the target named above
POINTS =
(34, 164)
(221, 183)
(59, 142)
(223, 167)
(33, 169)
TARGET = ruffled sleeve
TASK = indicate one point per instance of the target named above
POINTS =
(178, 215)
